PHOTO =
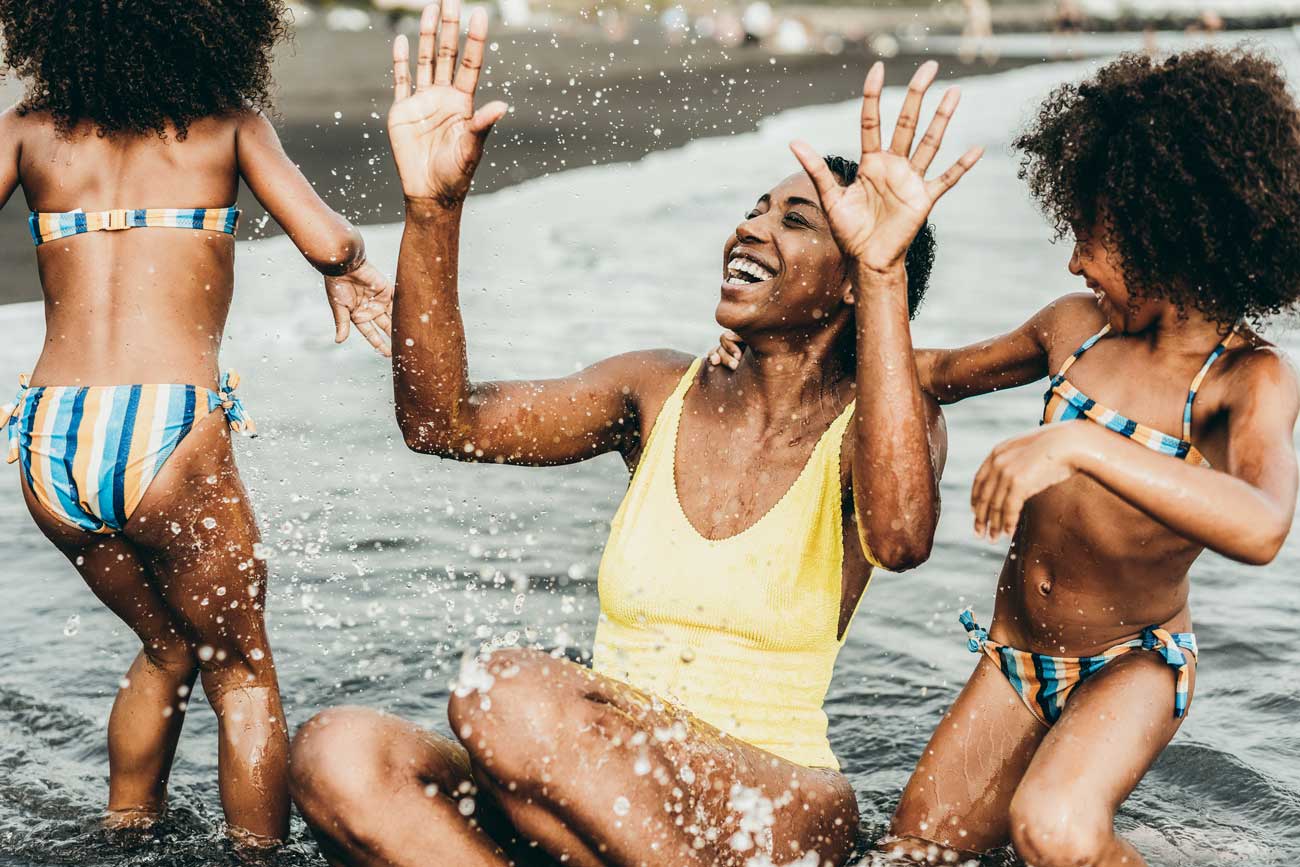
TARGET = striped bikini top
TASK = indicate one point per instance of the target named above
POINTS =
(1064, 402)
(48, 227)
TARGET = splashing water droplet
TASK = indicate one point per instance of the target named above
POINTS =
(73, 626)
(622, 806)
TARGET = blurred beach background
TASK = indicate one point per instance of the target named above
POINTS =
(640, 135)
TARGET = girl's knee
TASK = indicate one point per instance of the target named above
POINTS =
(1050, 827)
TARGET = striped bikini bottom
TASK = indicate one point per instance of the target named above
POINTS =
(1045, 682)
(89, 453)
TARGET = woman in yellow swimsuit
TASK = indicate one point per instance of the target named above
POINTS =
(759, 502)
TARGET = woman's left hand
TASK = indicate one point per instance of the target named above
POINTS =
(363, 297)
(1021, 467)
(875, 218)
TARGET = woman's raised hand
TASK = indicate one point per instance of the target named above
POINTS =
(875, 218)
(435, 133)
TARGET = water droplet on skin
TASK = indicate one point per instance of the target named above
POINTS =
(622, 806)
(466, 806)
(209, 523)
(205, 653)
(641, 766)
(256, 654)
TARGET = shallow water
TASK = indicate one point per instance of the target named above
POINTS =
(386, 566)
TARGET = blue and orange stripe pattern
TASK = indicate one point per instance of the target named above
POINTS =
(1064, 402)
(46, 227)
(89, 453)
(1045, 682)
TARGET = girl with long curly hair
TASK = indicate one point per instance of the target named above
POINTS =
(139, 121)
(1176, 179)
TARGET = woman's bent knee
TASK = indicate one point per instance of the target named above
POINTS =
(333, 762)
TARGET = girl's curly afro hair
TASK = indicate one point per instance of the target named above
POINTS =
(133, 66)
(1188, 167)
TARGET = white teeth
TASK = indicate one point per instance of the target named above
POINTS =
(743, 265)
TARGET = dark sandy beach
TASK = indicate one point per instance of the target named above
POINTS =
(575, 102)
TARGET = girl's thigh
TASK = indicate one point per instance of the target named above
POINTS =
(960, 794)
(636, 779)
(1113, 728)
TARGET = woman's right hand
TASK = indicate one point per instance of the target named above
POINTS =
(436, 135)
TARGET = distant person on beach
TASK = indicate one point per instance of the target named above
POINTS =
(759, 505)
(977, 34)
(138, 123)
(1167, 429)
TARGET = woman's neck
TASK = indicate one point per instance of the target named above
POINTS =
(795, 379)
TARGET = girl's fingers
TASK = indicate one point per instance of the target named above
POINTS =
(871, 89)
(1011, 511)
(385, 323)
(448, 42)
(401, 68)
(342, 323)
(471, 61)
(910, 116)
(996, 503)
(946, 181)
(486, 116)
(428, 34)
(979, 495)
(370, 331)
(815, 166)
(933, 137)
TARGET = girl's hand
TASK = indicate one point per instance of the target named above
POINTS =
(436, 135)
(1021, 467)
(729, 350)
(874, 219)
(363, 297)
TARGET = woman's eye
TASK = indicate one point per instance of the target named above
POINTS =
(795, 220)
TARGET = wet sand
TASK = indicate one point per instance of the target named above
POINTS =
(575, 102)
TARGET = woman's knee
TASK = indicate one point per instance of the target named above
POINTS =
(335, 764)
(514, 709)
(1050, 827)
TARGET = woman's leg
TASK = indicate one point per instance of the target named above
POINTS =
(376, 789)
(196, 531)
(1113, 728)
(150, 706)
(599, 773)
(960, 794)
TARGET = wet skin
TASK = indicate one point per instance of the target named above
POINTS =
(1103, 532)
(549, 750)
(149, 305)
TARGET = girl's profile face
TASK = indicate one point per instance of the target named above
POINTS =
(1100, 265)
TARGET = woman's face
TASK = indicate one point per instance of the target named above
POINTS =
(1099, 264)
(781, 269)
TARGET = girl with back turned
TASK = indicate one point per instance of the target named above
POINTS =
(138, 122)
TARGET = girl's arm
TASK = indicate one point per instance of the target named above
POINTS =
(1008, 360)
(1243, 511)
(10, 153)
(437, 139)
(358, 293)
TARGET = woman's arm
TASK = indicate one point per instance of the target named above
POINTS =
(358, 293)
(874, 220)
(1243, 511)
(437, 139)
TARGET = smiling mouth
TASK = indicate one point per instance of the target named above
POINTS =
(742, 270)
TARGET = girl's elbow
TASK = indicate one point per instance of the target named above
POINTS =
(898, 552)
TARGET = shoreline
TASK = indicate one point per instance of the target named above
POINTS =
(575, 102)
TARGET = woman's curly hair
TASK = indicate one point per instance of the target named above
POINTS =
(1188, 167)
(133, 66)
(919, 260)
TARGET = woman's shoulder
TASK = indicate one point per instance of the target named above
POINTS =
(1255, 366)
